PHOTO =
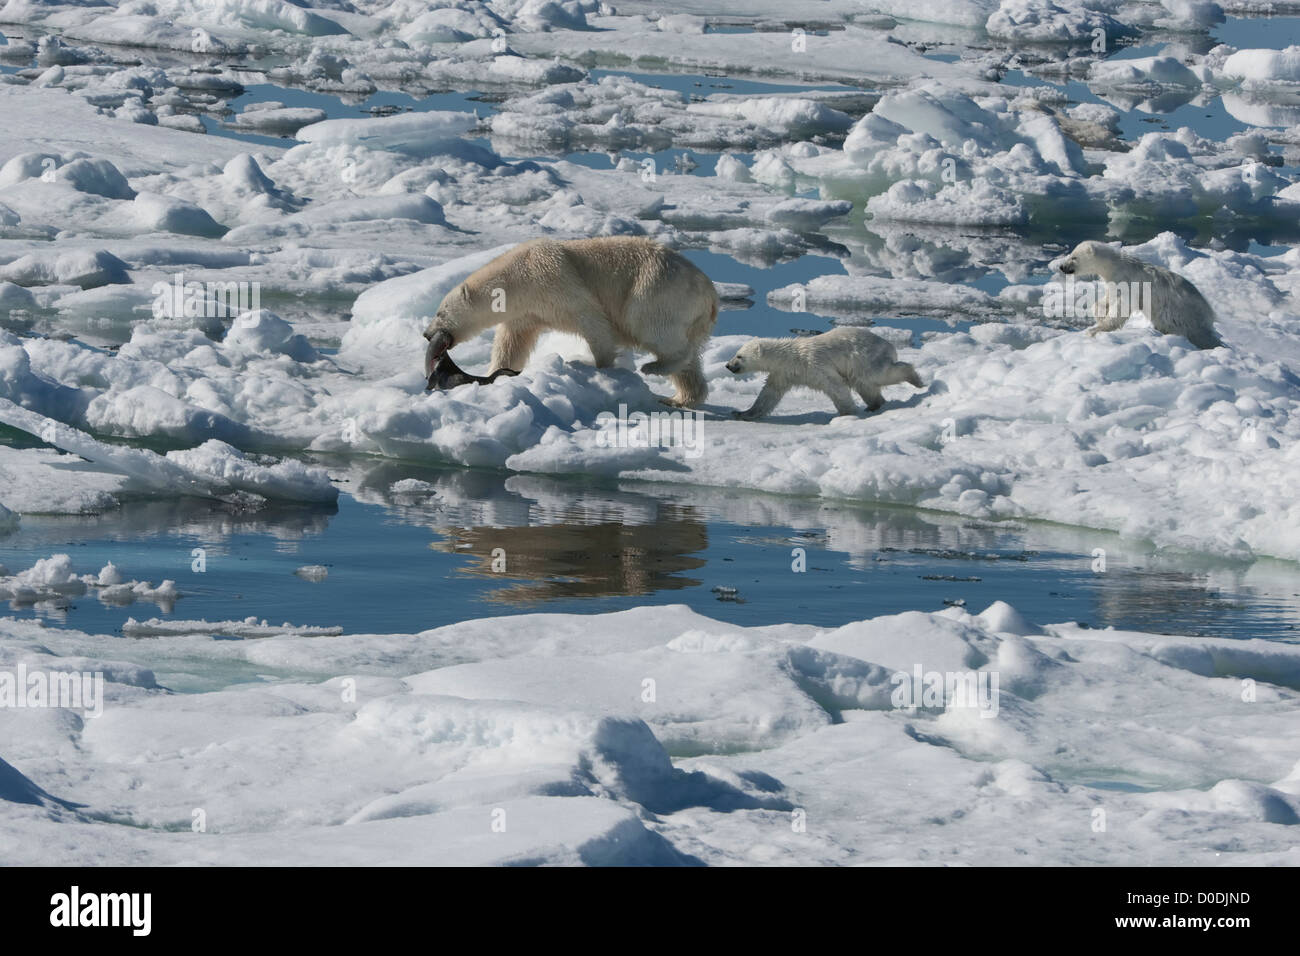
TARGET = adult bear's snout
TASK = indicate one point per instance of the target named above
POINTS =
(733, 366)
(1067, 268)
(439, 342)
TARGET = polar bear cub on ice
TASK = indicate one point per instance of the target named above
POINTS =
(839, 362)
(1174, 305)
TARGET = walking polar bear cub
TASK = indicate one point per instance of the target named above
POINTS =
(615, 292)
(838, 362)
(1173, 304)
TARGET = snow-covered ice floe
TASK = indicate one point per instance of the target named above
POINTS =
(51, 583)
(657, 736)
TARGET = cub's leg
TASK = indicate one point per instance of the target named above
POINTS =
(690, 384)
(871, 395)
(514, 344)
(773, 391)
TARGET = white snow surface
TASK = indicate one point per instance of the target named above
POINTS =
(659, 736)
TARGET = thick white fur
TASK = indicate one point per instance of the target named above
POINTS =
(838, 362)
(615, 292)
(1177, 308)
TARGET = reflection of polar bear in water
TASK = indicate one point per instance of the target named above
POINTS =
(1173, 305)
(838, 362)
(615, 292)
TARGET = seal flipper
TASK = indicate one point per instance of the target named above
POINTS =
(446, 374)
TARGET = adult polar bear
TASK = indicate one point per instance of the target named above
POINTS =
(616, 292)
(1176, 307)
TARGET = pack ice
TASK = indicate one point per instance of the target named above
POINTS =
(131, 357)
(655, 736)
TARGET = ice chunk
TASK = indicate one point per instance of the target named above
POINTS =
(97, 176)
(87, 268)
(415, 134)
(208, 471)
(1262, 67)
(263, 331)
(392, 315)
(248, 628)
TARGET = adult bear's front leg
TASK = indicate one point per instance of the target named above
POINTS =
(599, 336)
(513, 345)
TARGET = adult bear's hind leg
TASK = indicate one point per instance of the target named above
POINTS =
(690, 384)
(673, 352)
(666, 365)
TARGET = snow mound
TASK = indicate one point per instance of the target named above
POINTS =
(266, 332)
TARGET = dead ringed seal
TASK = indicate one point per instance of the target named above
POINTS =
(443, 373)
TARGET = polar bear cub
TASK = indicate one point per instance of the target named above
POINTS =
(1171, 303)
(838, 362)
(614, 291)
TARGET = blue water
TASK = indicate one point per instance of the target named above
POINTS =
(767, 320)
(1258, 33)
(474, 101)
(334, 106)
(403, 566)
(761, 318)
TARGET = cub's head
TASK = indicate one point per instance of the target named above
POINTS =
(752, 357)
(1086, 258)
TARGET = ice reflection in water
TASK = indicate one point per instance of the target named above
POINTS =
(424, 558)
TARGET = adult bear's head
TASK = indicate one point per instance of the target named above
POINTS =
(1086, 259)
(439, 341)
(460, 316)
